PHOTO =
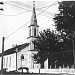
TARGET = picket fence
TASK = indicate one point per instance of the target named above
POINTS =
(53, 71)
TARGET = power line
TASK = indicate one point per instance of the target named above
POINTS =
(15, 14)
(46, 12)
(43, 7)
(23, 13)
(17, 30)
(46, 16)
(30, 20)
(21, 27)
(27, 6)
(22, 4)
(47, 8)
(15, 6)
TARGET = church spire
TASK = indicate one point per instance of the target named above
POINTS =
(33, 18)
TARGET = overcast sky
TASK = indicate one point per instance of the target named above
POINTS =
(17, 13)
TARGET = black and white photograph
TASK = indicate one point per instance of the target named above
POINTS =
(37, 37)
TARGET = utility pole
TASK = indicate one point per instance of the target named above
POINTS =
(2, 55)
(1, 3)
(16, 56)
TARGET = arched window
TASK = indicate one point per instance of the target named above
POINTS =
(34, 45)
(30, 32)
(22, 57)
(34, 31)
(30, 44)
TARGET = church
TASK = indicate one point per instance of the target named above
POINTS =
(22, 55)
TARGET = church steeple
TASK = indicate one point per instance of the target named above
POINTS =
(33, 28)
(33, 18)
(33, 34)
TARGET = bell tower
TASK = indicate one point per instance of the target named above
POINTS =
(33, 28)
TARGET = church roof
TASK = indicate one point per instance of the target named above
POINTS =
(13, 50)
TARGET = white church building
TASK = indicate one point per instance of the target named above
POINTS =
(22, 55)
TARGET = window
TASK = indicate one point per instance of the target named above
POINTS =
(7, 62)
(10, 62)
(34, 46)
(22, 57)
(30, 32)
(4, 62)
(30, 44)
(34, 31)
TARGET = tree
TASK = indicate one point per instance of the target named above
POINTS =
(58, 47)
(65, 21)
(46, 43)
(53, 46)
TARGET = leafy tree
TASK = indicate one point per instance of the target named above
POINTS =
(58, 47)
(45, 44)
(51, 45)
(66, 18)
(65, 22)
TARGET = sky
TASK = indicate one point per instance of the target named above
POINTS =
(15, 19)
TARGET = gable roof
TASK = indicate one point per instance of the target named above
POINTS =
(13, 50)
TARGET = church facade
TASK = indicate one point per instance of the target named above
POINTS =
(22, 55)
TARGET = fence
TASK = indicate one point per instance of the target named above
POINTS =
(53, 71)
(44, 72)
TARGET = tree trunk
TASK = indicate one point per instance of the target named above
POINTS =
(73, 51)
